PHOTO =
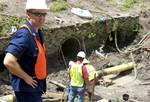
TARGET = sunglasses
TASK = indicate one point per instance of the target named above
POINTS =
(38, 14)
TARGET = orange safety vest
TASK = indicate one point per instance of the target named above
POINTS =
(40, 65)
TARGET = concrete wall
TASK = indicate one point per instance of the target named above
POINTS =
(100, 30)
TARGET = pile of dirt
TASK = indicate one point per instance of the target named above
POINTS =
(135, 83)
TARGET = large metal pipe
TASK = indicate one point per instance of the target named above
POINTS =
(7, 98)
(117, 69)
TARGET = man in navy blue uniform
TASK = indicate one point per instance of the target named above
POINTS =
(25, 55)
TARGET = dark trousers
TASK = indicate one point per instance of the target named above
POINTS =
(28, 96)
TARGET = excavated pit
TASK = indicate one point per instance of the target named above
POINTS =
(63, 41)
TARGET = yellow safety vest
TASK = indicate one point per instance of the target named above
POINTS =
(91, 71)
(76, 76)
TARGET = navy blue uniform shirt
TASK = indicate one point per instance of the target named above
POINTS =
(24, 48)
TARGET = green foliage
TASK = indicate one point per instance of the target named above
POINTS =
(117, 100)
(136, 28)
(59, 6)
(115, 25)
(113, 29)
(110, 37)
(114, 2)
(8, 21)
(129, 3)
(91, 35)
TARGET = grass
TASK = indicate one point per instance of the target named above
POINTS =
(129, 4)
(58, 6)
(7, 22)
(126, 4)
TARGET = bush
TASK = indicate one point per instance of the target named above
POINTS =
(129, 3)
(7, 22)
(59, 6)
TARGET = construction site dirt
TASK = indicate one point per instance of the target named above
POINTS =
(133, 83)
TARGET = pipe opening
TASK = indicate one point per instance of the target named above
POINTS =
(69, 49)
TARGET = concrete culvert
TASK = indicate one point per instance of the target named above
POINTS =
(69, 49)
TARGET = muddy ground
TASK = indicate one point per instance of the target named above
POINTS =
(136, 82)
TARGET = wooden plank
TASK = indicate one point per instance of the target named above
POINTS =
(55, 95)
(58, 84)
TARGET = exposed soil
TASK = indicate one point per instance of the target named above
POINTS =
(132, 82)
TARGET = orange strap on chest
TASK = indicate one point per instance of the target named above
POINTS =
(40, 65)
